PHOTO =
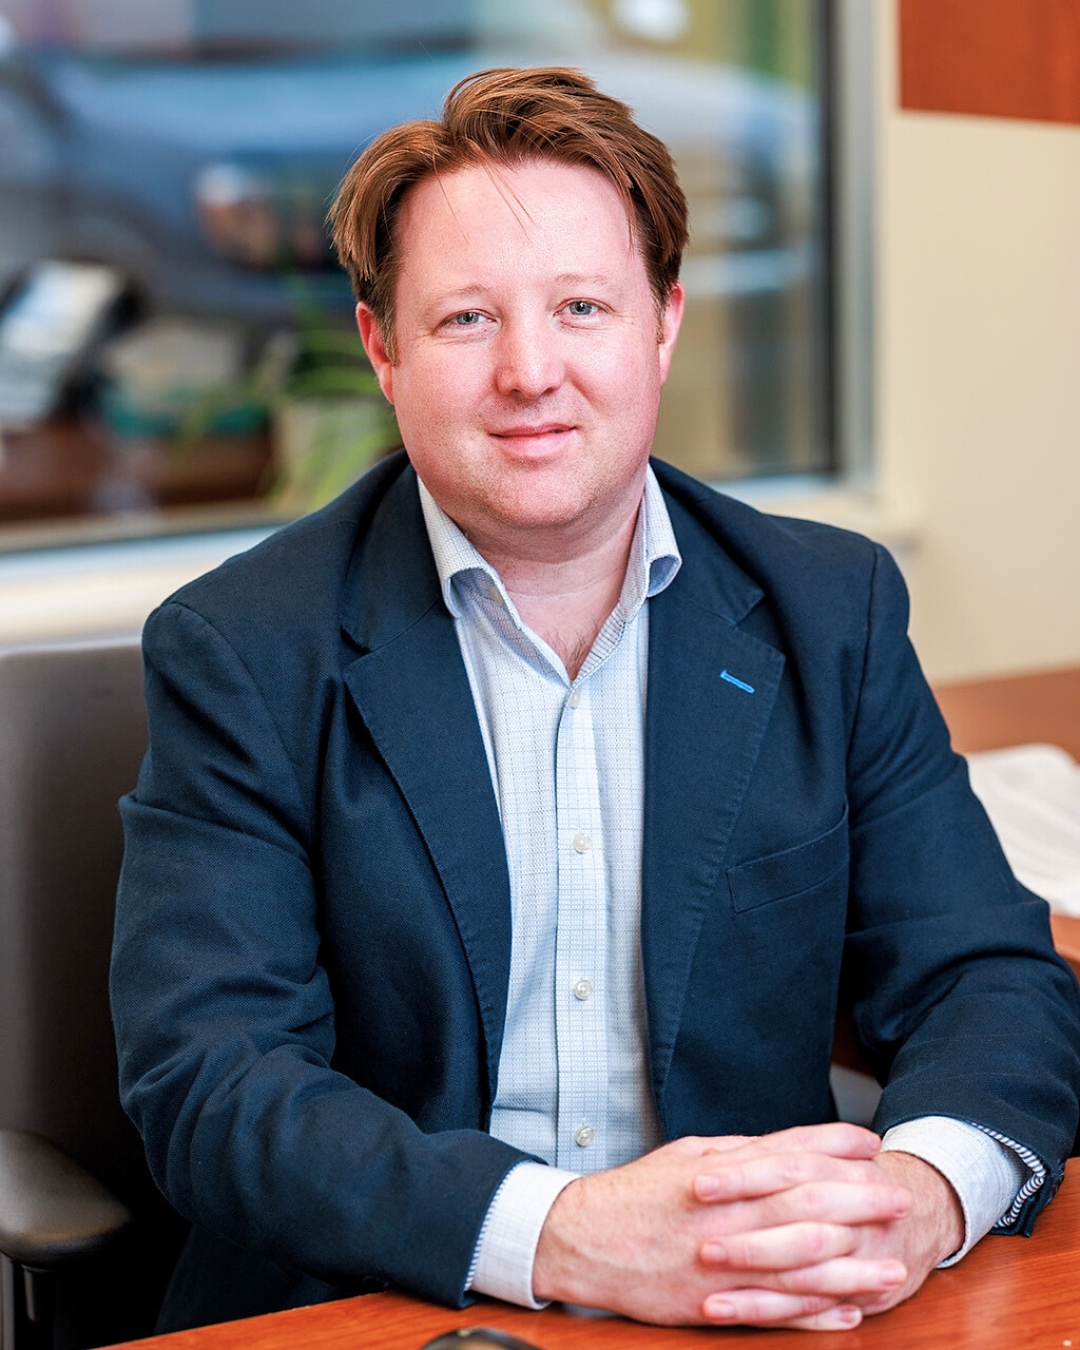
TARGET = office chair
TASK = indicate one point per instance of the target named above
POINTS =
(86, 1241)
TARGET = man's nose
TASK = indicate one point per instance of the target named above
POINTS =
(529, 360)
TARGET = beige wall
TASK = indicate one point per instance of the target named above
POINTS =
(979, 380)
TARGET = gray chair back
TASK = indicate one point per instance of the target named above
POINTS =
(72, 735)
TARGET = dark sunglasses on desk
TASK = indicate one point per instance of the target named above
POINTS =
(478, 1338)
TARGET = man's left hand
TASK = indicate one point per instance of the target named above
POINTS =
(931, 1230)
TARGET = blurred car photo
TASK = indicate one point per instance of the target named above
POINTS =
(205, 177)
(202, 171)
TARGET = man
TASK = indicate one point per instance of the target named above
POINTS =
(526, 808)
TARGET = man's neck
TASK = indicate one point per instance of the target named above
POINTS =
(568, 601)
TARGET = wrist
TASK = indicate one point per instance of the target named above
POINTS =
(935, 1205)
(556, 1258)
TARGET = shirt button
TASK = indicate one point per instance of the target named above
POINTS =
(582, 990)
(584, 1135)
(582, 842)
(575, 698)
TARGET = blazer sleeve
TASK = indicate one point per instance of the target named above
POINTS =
(961, 1005)
(224, 1015)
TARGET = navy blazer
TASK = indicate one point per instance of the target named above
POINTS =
(313, 929)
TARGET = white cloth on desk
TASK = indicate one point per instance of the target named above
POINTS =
(1032, 796)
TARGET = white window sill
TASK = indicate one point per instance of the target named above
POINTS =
(819, 498)
(103, 589)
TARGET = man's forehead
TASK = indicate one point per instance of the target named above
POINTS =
(512, 190)
(561, 209)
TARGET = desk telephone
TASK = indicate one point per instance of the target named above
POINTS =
(48, 326)
(478, 1338)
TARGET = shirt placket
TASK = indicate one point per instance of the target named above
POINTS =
(581, 942)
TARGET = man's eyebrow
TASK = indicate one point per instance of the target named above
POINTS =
(585, 279)
(564, 280)
(458, 293)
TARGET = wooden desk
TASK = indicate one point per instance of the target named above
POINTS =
(1014, 710)
(1018, 710)
(1066, 933)
(1009, 1294)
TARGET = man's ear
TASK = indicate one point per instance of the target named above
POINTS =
(371, 335)
(670, 321)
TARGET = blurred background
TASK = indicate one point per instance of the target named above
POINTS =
(189, 150)
(883, 292)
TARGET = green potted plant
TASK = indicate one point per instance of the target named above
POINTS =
(329, 420)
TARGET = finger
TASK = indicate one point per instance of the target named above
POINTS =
(879, 1303)
(726, 1143)
(845, 1278)
(860, 1206)
(748, 1178)
(786, 1248)
(762, 1307)
(807, 1259)
(696, 1146)
(841, 1317)
(841, 1202)
(838, 1138)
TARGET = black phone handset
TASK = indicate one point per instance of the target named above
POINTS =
(48, 326)
(478, 1338)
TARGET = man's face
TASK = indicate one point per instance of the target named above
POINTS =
(528, 360)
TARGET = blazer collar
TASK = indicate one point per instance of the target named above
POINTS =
(391, 582)
(393, 549)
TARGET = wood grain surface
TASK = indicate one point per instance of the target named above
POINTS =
(1066, 933)
(1008, 1294)
(1014, 710)
(997, 58)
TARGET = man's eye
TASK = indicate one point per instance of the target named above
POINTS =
(581, 309)
(468, 318)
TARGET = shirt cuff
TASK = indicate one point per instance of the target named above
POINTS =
(988, 1172)
(502, 1264)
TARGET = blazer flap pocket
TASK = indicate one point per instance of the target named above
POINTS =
(778, 876)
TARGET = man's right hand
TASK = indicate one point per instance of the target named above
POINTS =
(648, 1239)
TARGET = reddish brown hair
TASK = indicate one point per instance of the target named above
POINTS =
(508, 116)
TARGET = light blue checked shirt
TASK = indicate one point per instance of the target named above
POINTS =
(568, 768)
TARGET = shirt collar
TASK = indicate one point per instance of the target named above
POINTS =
(654, 554)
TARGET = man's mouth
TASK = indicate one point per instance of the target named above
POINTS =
(532, 431)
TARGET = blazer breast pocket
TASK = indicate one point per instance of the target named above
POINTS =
(792, 871)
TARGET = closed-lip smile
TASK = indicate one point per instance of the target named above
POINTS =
(532, 429)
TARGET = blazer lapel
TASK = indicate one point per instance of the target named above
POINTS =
(412, 691)
(710, 694)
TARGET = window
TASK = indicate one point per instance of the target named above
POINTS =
(175, 160)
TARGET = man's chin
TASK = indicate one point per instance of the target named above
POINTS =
(530, 507)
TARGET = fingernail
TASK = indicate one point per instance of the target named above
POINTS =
(720, 1309)
(848, 1316)
(707, 1188)
(893, 1274)
(902, 1201)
